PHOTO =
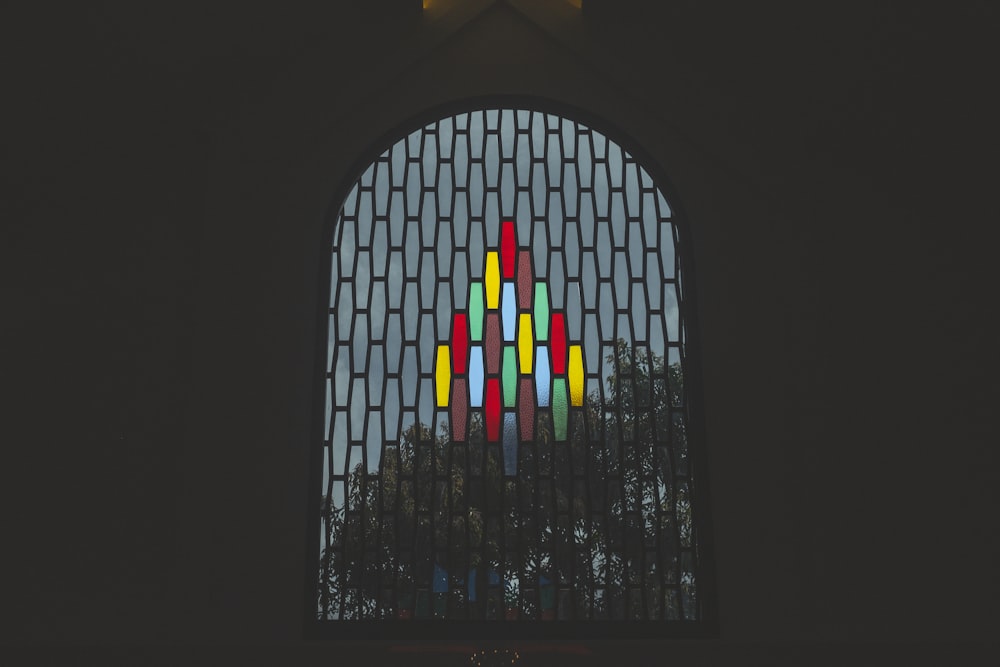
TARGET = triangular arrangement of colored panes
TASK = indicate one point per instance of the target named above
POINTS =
(509, 355)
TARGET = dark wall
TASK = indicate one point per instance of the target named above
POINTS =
(167, 173)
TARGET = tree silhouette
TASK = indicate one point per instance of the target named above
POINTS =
(595, 527)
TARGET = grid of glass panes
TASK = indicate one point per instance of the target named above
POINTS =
(583, 512)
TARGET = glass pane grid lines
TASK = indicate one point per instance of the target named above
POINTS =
(506, 425)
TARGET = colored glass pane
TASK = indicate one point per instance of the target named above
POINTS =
(508, 310)
(459, 342)
(508, 247)
(560, 408)
(541, 311)
(493, 344)
(510, 444)
(576, 375)
(459, 409)
(492, 409)
(558, 344)
(509, 376)
(526, 409)
(525, 279)
(443, 376)
(492, 280)
(476, 311)
(477, 377)
(525, 345)
(542, 376)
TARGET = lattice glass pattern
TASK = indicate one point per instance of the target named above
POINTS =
(505, 430)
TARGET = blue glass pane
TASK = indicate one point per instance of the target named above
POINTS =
(476, 377)
(508, 308)
(542, 376)
(440, 579)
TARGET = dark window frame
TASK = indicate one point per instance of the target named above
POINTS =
(707, 625)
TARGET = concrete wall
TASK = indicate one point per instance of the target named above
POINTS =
(167, 183)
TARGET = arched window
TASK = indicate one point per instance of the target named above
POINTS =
(507, 433)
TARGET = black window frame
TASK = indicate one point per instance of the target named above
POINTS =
(436, 629)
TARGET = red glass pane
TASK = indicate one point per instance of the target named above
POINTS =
(459, 409)
(558, 343)
(524, 279)
(493, 343)
(493, 409)
(526, 409)
(508, 247)
(460, 342)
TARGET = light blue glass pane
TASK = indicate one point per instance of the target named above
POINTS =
(509, 310)
(476, 377)
(510, 444)
(542, 376)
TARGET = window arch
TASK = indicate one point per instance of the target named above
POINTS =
(505, 440)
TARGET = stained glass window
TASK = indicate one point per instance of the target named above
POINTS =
(506, 428)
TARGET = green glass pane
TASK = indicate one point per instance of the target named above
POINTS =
(560, 407)
(509, 376)
(541, 311)
(476, 311)
(548, 597)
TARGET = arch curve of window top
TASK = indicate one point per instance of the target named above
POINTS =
(505, 435)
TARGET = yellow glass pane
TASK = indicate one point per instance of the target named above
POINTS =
(525, 343)
(492, 280)
(442, 379)
(576, 375)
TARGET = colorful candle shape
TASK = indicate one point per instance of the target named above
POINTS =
(492, 279)
(560, 410)
(525, 344)
(508, 248)
(509, 376)
(558, 344)
(493, 343)
(459, 409)
(541, 311)
(477, 377)
(542, 376)
(524, 279)
(459, 342)
(476, 311)
(443, 376)
(492, 409)
(508, 310)
(576, 375)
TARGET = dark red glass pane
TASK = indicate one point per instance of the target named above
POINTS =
(524, 279)
(508, 247)
(493, 343)
(526, 411)
(558, 343)
(493, 409)
(459, 409)
(460, 342)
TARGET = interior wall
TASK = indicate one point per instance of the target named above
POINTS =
(169, 179)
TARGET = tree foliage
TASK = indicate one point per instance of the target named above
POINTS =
(597, 526)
